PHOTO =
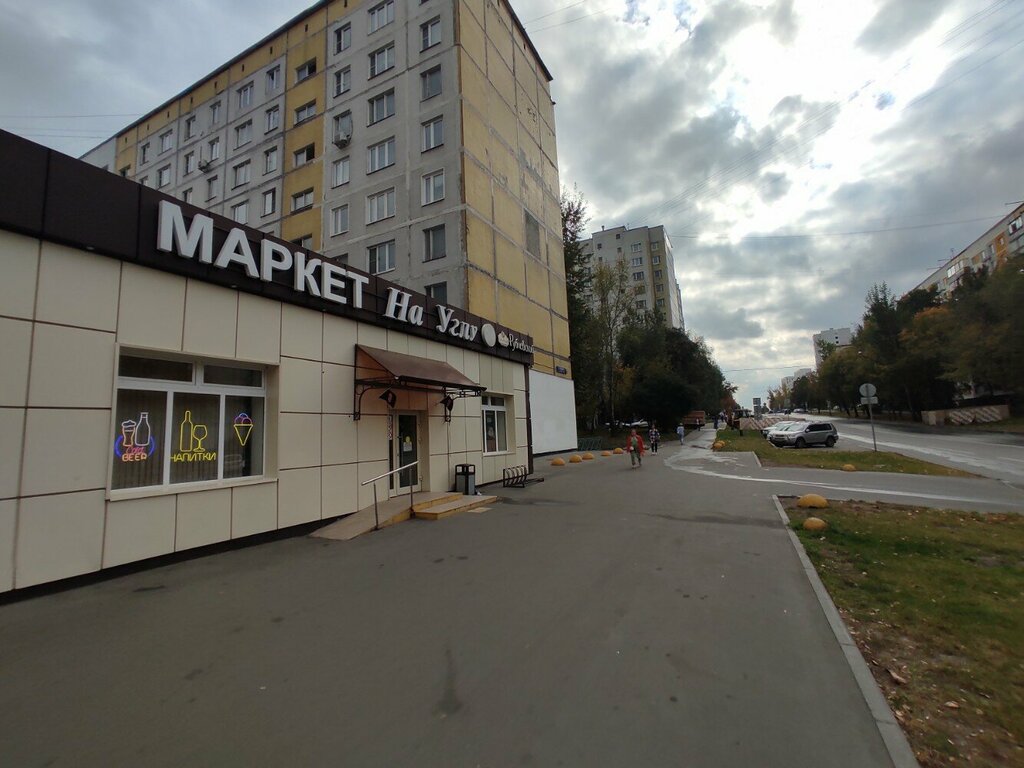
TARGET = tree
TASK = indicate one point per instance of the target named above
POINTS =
(613, 309)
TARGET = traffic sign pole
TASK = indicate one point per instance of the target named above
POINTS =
(868, 392)
(871, 418)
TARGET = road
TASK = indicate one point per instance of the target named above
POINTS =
(990, 454)
(606, 617)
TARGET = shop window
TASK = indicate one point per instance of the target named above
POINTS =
(495, 424)
(186, 421)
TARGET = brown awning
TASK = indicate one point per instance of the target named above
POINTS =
(409, 369)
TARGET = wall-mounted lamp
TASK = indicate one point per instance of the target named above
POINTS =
(448, 402)
(389, 397)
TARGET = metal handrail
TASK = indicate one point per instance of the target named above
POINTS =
(378, 477)
(376, 516)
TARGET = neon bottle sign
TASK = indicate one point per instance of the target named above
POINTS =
(136, 442)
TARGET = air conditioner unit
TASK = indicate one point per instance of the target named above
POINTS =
(341, 139)
(204, 164)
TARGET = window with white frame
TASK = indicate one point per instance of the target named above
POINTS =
(655, 246)
(340, 172)
(342, 81)
(641, 304)
(304, 155)
(190, 162)
(273, 78)
(269, 202)
(434, 243)
(380, 155)
(380, 206)
(163, 176)
(382, 15)
(655, 259)
(438, 292)
(305, 112)
(659, 288)
(339, 220)
(381, 257)
(242, 173)
(303, 199)
(637, 261)
(243, 133)
(211, 188)
(186, 420)
(660, 303)
(305, 242)
(636, 248)
(381, 107)
(431, 82)
(270, 160)
(305, 71)
(638, 276)
(273, 119)
(144, 181)
(214, 147)
(144, 153)
(433, 187)
(433, 133)
(342, 38)
(240, 212)
(430, 33)
(245, 96)
(495, 424)
(166, 141)
(190, 127)
(658, 274)
(215, 113)
(382, 59)
(186, 195)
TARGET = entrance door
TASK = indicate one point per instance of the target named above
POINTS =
(405, 449)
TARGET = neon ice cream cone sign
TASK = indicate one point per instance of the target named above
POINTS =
(243, 428)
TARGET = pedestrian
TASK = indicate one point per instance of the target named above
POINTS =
(654, 437)
(716, 421)
(681, 431)
(635, 447)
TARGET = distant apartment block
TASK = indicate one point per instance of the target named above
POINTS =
(647, 254)
(837, 337)
(1001, 241)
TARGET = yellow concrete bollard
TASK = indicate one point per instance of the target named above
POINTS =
(718, 445)
(812, 500)
(588, 456)
(849, 468)
(815, 524)
(575, 459)
(559, 462)
(618, 451)
(606, 453)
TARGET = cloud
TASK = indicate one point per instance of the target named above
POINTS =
(898, 22)
(719, 324)
(884, 101)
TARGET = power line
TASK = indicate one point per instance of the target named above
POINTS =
(766, 368)
(552, 13)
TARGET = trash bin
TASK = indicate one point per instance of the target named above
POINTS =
(465, 479)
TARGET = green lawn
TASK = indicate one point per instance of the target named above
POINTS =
(935, 601)
(830, 458)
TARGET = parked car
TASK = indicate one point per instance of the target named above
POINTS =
(805, 433)
(780, 426)
(777, 425)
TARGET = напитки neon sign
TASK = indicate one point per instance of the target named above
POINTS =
(135, 443)
(190, 442)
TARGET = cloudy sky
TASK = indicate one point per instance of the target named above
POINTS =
(797, 151)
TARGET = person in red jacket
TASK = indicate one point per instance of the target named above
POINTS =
(635, 448)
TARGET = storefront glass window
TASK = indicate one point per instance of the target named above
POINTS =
(186, 421)
(495, 429)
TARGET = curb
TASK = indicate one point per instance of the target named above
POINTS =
(896, 744)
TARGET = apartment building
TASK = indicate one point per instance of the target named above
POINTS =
(1001, 241)
(837, 337)
(647, 254)
(412, 139)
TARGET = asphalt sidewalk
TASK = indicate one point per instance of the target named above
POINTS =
(605, 617)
